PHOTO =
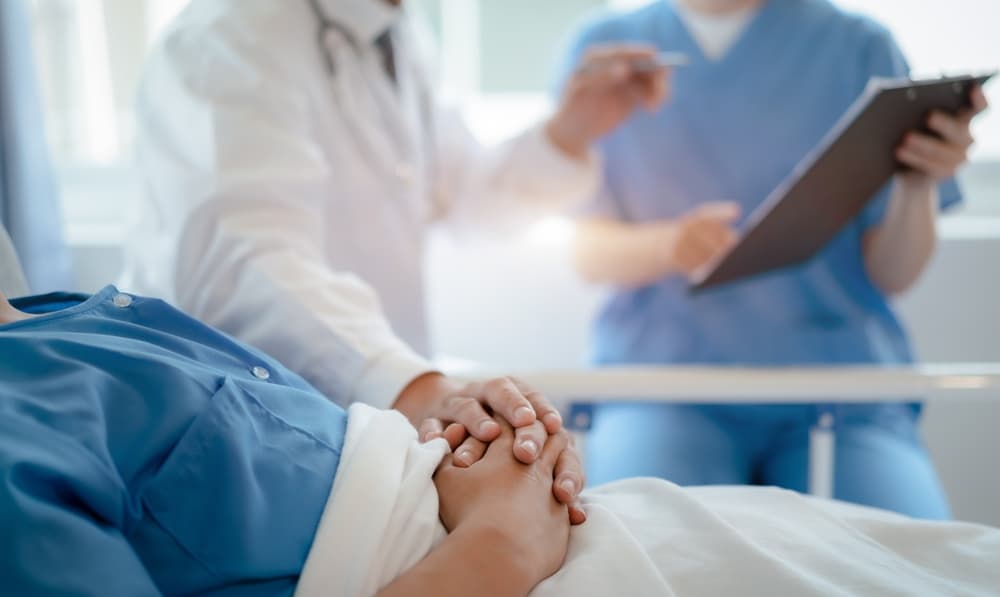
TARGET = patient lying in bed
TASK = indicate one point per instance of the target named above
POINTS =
(143, 453)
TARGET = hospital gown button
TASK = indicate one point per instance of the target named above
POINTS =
(122, 300)
(261, 373)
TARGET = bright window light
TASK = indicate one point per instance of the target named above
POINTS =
(496, 61)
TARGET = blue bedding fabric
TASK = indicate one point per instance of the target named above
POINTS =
(143, 453)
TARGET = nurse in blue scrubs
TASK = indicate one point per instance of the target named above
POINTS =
(767, 79)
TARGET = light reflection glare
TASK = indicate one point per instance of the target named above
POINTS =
(551, 231)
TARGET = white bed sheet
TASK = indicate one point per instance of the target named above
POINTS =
(644, 536)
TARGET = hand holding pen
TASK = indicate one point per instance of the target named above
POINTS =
(610, 83)
(646, 63)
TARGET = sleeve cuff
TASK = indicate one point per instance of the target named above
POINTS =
(386, 376)
(564, 175)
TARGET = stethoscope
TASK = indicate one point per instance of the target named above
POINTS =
(325, 27)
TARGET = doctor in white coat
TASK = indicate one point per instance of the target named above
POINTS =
(295, 156)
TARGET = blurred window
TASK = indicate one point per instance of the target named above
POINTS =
(496, 59)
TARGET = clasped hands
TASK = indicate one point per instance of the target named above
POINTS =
(474, 416)
(511, 484)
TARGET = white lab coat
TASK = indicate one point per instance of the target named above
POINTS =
(288, 205)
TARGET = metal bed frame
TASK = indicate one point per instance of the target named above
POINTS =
(707, 385)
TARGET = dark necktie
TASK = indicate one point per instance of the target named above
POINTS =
(384, 45)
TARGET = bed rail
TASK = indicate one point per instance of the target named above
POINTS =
(818, 385)
(966, 381)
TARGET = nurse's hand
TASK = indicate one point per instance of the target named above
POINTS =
(933, 159)
(897, 251)
(463, 414)
(602, 93)
(700, 236)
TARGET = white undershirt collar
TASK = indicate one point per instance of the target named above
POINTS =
(716, 34)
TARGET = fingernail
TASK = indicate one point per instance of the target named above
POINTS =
(465, 456)
(530, 446)
(487, 426)
(523, 412)
(568, 486)
(553, 419)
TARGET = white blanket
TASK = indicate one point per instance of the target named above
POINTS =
(644, 536)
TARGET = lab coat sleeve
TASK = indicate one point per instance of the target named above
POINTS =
(507, 185)
(60, 511)
(602, 203)
(255, 185)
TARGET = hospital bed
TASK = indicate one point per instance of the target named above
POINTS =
(385, 473)
(967, 382)
(720, 385)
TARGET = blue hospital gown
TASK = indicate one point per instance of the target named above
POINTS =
(143, 453)
(733, 129)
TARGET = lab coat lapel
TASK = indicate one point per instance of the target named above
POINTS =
(404, 113)
(382, 128)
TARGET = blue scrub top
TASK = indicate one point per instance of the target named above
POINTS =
(732, 130)
(144, 453)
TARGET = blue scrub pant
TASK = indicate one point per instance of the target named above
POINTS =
(880, 458)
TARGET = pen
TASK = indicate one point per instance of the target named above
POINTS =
(647, 65)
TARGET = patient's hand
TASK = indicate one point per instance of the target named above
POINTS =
(512, 501)
(463, 414)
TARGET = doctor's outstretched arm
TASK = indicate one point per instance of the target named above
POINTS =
(552, 166)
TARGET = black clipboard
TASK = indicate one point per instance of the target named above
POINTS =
(834, 182)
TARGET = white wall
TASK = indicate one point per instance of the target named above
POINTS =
(954, 316)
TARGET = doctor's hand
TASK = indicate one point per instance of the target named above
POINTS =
(935, 158)
(512, 502)
(464, 415)
(700, 236)
(602, 93)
